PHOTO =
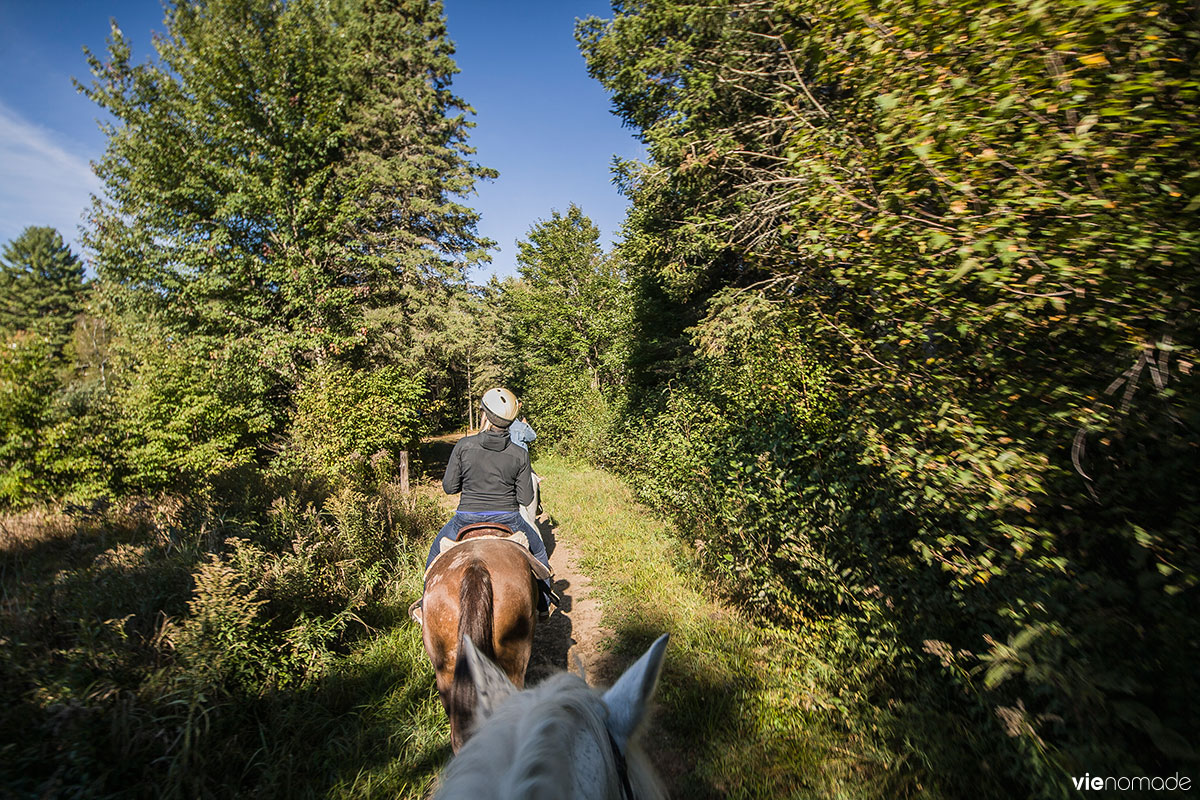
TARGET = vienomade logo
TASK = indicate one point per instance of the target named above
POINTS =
(1142, 783)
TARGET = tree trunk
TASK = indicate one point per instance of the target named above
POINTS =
(470, 405)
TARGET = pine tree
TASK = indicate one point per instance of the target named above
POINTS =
(282, 167)
(571, 298)
(566, 318)
(406, 152)
(41, 285)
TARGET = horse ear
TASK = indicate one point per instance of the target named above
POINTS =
(492, 686)
(628, 697)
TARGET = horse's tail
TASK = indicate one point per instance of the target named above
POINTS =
(474, 620)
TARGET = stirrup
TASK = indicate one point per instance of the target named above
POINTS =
(417, 612)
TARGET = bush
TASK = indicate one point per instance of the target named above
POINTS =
(191, 416)
(980, 221)
(354, 424)
(569, 415)
(140, 665)
(27, 386)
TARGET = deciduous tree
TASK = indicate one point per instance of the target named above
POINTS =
(981, 219)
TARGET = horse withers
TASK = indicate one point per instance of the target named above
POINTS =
(560, 739)
(485, 589)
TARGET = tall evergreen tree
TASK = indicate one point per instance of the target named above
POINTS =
(41, 284)
(280, 167)
(566, 317)
(571, 298)
(405, 151)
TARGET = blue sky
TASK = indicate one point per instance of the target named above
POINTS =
(541, 121)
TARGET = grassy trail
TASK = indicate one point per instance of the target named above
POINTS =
(736, 717)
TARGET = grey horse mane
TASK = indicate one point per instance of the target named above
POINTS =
(524, 749)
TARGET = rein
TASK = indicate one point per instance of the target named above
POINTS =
(622, 768)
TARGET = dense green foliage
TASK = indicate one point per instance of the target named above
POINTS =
(212, 427)
(361, 420)
(247, 193)
(150, 652)
(49, 348)
(565, 322)
(280, 193)
(27, 385)
(41, 285)
(914, 351)
(901, 333)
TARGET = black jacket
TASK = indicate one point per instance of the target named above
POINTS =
(491, 472)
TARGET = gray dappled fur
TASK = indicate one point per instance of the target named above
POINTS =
(546, 742)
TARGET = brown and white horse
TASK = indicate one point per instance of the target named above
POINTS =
(485, 589)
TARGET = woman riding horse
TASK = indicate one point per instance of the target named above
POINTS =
(495, 479)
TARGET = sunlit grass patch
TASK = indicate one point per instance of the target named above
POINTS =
(741, 711)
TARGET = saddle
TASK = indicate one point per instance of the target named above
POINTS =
(492, 530)
(483, 530)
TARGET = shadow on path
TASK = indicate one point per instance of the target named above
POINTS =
(554, 638)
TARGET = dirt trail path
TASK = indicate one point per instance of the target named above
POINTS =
(574, 630)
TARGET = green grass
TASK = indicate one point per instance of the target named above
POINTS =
(741, 712)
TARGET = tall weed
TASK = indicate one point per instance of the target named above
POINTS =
(149, 649)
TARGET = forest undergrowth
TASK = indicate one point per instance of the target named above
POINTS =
(151, 650)
(745, 709)
(138, 662)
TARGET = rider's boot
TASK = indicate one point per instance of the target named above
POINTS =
(546, 596)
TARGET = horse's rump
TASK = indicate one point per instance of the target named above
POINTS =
(485, 589)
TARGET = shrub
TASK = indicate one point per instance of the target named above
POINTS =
(980, 219)
(190, 416)
(354, 424)
(27, 387)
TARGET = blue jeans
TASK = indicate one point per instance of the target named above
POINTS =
(512, 519)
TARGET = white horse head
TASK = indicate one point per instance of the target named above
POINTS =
(560, 739)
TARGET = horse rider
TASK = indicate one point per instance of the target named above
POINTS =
(523, 434)
(495, 479)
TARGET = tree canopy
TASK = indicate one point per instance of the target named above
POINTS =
(282, 167)
(283, 188)
(565, 321)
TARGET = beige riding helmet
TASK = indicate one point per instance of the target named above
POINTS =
(501, 403)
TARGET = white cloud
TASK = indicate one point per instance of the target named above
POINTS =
(41, 182)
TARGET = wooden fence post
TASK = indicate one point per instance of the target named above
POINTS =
(404, 471)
